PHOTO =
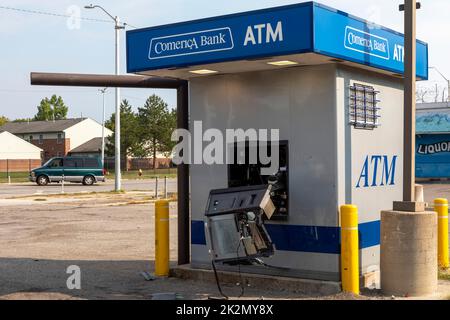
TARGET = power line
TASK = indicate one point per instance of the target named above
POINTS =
(63, 15)
(56, 91)
(130, 25)
(53, 14)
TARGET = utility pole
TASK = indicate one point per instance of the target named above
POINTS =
(409, 151)
(118, 175)
(408, 240)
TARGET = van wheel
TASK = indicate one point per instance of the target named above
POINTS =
(42, 180)
(88, 180)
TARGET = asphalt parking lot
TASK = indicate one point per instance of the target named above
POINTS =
(433, 190)
(110, 237)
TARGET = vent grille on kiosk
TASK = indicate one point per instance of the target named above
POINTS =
(363, 107)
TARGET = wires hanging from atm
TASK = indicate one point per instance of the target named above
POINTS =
(241, 282)
(243, 226)
(217, 281)
(235, 230)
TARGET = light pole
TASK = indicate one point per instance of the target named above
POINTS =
(103, 91)
(448, 82)
(117, 28)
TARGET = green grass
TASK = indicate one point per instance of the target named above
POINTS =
(15, 177)
(146, 174)
(68, 194)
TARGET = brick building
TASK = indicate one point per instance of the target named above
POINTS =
(56, 138)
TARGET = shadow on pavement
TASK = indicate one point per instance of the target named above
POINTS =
(24, 278)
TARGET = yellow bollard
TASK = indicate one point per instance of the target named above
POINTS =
(162, 238)
(441, 207)
(349, 249)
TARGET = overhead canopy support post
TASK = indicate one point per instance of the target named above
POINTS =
(100, 80)
(129, 81)
(183, 180)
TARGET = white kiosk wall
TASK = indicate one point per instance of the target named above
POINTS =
(376, 153)
(309, 105)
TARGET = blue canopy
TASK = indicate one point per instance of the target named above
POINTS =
(306, 29)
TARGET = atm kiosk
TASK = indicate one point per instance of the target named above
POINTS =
(331, 84)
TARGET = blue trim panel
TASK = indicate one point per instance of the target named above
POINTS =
(198, 232)
(369, 234)
(305, 238)
(317, 239)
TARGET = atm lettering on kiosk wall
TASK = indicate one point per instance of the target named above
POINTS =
(377, 170)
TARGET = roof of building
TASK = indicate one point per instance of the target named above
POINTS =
(432, 106)
(17, 141)
(40, 126)
(433, 118)
(93, 145)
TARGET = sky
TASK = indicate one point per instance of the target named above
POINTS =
(51, 43)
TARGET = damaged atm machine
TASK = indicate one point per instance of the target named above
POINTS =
(331, 84)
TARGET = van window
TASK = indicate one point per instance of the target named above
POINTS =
(90, 162)
(56, 163)
(69, 163)
(73, 163)
(78, 162)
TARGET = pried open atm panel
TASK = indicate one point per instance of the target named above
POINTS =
(245, 172)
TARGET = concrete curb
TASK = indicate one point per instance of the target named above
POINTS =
(263, 282)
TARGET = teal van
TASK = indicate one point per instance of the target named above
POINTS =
(85, 170)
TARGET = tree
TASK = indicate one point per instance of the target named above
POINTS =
(51, 109)
(421, 94)
(436, 93)
(167, 144)
(156, 124)
(3, 120)
(130, 142)
(22, 120)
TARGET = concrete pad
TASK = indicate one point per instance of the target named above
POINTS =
(262, 282)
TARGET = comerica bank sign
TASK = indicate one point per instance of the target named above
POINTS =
(365, 42)
(191, 43)
(212, 40)
(287, 30)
